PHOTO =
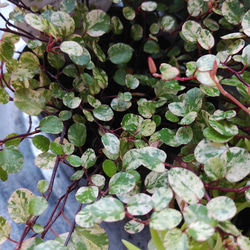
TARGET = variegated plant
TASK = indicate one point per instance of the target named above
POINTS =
(168, 149)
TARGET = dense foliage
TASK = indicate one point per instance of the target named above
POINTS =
(149, 103)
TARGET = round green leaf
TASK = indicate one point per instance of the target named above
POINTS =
(207, 149)
(71, 101)
(133, 227)
(232, 11)
(96, 23)
(83, 59)
(5, 229)
(200, 230)
(128, 13)
(186, 184)
(18, 205)
(50, 245)
(130, 122)
(184, 135)
(139, 204)
(205, 39)
(11, 160)
(237, 164)
(246, 23)
(194, 7)
(63, 23)
(29, 101)
(151, 47)
(150, 157)
(215, 168)
(74, 160)
(98, 180)
(109, 167)
(154, 181)
(41, 142)
(56, 148)
(121, 183)
(77, 134)
(45, 160)
(37, 205)
(198, 213)
(111, 143)
(221, 208)
(51, 124)
(120, 53)
(190, 30)
(38, 228)
(116, 25)
(43, 186)
(103, 113)
(12, 142)
(89, 158)
(72, 48)
(147, 127)
(37, 22)
(87, 194)
(85, 218)
(188, 118)
(165, 219)
(108, 209)
(224, 127)
(131, 81)
(67, 5)
(175, 239)
(167, 23)
(149, 6)
(161, 198)
(136, 32)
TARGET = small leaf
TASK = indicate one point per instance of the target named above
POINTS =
(243, 242)
(200, 230)
(128, 13)
(109, 167)
(51, 124)
(96, 23)
(18, 205)
(116, 25)
(111, 143)
(37, 22)
(72, 48)
(195, 7)
(168, 72)
(133, 227)
(67, 5)
(5, 230)
(121, 183)
(151, 47)
(71, 101)
(167, 23)
(190, 30)
(45, 160)
(29, 101)
(139, 204)
(11, 160)
(161, 198)
(77, 134)
(37, 229)
(87, 194)
(37, 205)
(131, 81)
(103, 113)
(108, 209)
(175, 239)
(245, 23)
(41, 142)
(207, 149)
(186, 184)
(43, 186)
(98, 180)
(206, 62)
(224, 127)
(221, 208)
(149, 6)
(120, 53)
(89, 158)
(12, 142)
(215, 168)
(74, 160)
(150, 157)
(165, 219)
(184, 135)
(232, 11)
(205, 39)
(136, 32)
(147, 127)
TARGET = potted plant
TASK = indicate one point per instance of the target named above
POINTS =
(149, 103)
